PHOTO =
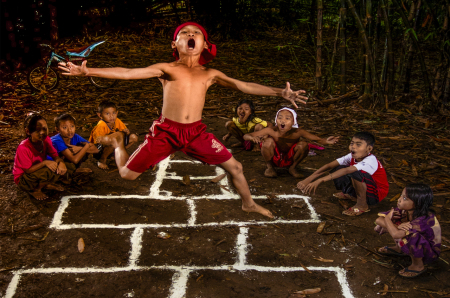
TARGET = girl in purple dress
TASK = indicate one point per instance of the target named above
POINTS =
(414, 227)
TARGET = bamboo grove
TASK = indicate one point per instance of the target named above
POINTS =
(386, 70)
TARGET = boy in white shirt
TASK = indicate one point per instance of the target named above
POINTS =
(358, 174)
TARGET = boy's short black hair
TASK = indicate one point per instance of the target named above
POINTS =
(31, 121)
(106, 104)
(365, 136)
(63, 117)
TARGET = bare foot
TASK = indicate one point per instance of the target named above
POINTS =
(294, 173)
(83, 170)
(257, 208)
(236, 145)
(39, 195)
(102, 166)
(270, 172)
(114, 139)
(226, 137)
(54, 187)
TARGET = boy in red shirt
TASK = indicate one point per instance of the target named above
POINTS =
(358, 174)
(179, 128)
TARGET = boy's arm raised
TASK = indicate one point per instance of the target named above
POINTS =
(118, 73)
(328, 141)
(257, 89)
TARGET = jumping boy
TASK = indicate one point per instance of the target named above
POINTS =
(70, 145)
(108, 124)
(283, 148)
(358, 174)
(179, 128)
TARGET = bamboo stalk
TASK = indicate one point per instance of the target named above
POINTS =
(332, 59)
(390, 55)
(410, 55)
(368, 84)
(319, 45)
(447, 88)
(419, 52)
(361, 57)
(378, 89)
(343, 45)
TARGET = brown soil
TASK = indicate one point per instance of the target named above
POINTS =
(404, 144)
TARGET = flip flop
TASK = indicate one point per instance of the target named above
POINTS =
(391, 252)
(416, 273)
(354, 211)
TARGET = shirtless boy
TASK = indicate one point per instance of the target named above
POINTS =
(179, 127)
(283, 147)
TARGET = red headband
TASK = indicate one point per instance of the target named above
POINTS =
(207, 54)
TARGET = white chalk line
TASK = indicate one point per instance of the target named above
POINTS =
(181, 275)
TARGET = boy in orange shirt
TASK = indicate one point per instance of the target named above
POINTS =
(108, 124)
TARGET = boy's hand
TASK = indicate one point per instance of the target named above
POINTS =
(255, 139)
(61, 170)
(312, 187)
(302, 184)
(74, 149)
(127, 131)
(292, 96)
(406, 226)
(52, 165)
(71, 69)
(332, 140)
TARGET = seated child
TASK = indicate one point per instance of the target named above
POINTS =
(414, 227)
(69, 145)
(32, 171)
(283, 148)
(245, 122)
(358, 174)
(108, 124)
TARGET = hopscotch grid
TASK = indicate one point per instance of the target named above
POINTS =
(181, 273)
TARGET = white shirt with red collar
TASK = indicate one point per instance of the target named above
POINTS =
(372, 166)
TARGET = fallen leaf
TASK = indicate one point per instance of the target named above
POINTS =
(218, 178)
(309, 291)
(414, 171)
(253, 180)
(186, 180)
(386, 288)
(395, 198)
(321, 227)
(323, 260)
(81, 245)
(163, 235)
(172, 156)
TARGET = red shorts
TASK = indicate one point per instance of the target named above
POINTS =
(167, 137)
(283, 160)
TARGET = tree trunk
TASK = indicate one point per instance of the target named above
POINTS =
(390, 54)
(410, 55)
(447, 88)
(377, 85)
(332, 59)
(343, 45)
(419, 52)
(319, 45)
(362, 59)
(311, 21)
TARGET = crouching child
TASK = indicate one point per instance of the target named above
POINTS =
(358, 175)
(32, 171)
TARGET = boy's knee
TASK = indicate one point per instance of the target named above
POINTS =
(236, 168)
(268, 143)
(127, 174)
(258, 127)
(229, 124)
(133, 138)
(301, 146)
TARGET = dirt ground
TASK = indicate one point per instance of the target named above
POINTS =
(412, 145)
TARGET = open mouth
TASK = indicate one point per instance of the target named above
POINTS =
(353, 152)
(282, 126)
(191, 43)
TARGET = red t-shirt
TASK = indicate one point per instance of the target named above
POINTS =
(371, 165)
(27, 156)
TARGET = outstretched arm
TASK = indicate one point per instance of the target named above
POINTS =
(256, 136)
(119, 73)
(257, 89)
(328, 141)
